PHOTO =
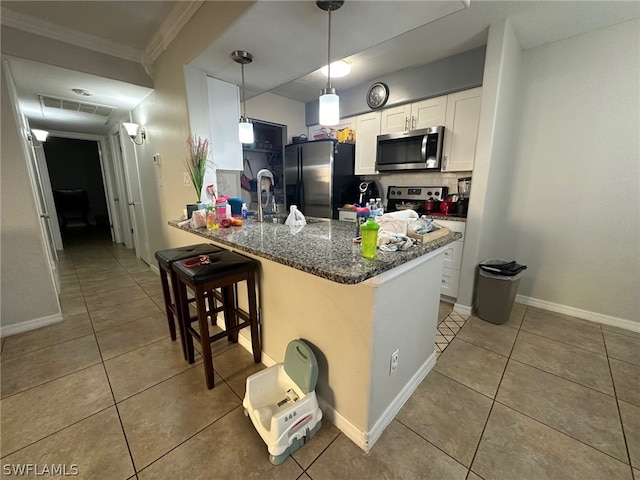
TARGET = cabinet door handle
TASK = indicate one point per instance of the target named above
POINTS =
(413, 122)
(406, 123)
(444, 163)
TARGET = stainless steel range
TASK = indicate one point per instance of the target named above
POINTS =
(415, 198)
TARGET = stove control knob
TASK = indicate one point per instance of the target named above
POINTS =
(437, 194)
(429, 193)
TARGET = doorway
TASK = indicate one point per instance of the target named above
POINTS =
(78, 189)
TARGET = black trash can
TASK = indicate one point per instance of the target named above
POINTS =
(497, 287)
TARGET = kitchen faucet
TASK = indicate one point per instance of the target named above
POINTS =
(266, 174)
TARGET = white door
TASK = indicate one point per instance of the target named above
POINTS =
(45, 218)
(428, 113)
(395, 119)
(461, 130)
(121, 197)
(134, 200)
(367, 131)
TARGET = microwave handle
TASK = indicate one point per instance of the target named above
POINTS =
(413, 122)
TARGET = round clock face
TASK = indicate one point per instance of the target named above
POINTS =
(377, 95)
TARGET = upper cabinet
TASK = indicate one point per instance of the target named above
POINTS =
(224, 111)
(414, 116)
(367, 131)
(461, 130)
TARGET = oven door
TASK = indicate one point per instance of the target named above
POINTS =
(414, 150)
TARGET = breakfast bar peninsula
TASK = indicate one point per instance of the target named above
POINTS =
(356, 313)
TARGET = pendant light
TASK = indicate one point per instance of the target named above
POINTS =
(245, 127)
(329, 101)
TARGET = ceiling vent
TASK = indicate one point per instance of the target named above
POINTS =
(73, 105)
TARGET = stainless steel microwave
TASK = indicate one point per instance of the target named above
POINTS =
(412, 150)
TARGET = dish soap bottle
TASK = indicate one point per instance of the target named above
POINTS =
(369, 232)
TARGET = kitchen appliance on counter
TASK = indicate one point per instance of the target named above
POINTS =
(423, 200)
(319, 177)
(367, 190)
(412, 150)
(464, 189)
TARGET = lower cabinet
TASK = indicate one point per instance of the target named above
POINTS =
(347, 216)
(452, 259)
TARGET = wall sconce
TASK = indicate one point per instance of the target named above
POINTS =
(132, 131)
(37, 137)
(329, 100)
(245, 127)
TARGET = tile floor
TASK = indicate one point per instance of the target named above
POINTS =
(544, 396)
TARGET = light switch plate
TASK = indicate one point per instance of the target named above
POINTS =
(156, 159)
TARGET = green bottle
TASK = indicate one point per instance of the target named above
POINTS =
(369, 238)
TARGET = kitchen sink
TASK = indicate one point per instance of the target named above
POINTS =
(281, 218)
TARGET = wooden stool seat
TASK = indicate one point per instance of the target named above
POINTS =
(165, 259)
(222, 270)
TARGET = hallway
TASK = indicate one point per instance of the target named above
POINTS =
(544, 396)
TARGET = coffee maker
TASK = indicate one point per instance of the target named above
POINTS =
(464, 189)
(367, 190)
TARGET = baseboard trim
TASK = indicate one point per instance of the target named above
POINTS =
(462, 309)
(576, 312)
(396, 405)
(155, 269)
(28, 325)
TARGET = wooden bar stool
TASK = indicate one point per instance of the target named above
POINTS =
(165, 259)
(202, 274)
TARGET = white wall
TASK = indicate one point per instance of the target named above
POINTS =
(276, 109)
(574, 213)
(29, 296)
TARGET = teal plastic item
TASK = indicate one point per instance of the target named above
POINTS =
(301, 365)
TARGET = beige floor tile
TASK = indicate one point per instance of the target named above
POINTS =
(620, 331)
(580, 412)
(162, 417)
(623, 347)
(31, 369)
(129, 336)
(159, 301)
(448, 414)
(235, 365)
(117, 296)
(636, 474)
(575, 364)
(631, 421)
(497, 338)
(72, 305)
(514, 446)
(398, 453)
(144, 367)
(152, 288)
(517, 314)
(473, 476)
(566, 330)
(118, 314)
(75, 326)
(230, 446)
(91, 288)
(145, 276)
(472, 366)
(133, 266)
(38, 412)
(96, 445)
(106, 274)
(626, 378)
(444, 310)
(308, 453)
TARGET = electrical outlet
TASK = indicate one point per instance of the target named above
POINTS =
(186, 179)
(156, 159)
(394, 362)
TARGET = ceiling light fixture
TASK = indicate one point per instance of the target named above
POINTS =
(82, 92)
(339, 69)
(329, 100)
(245, 127)
(132, 130)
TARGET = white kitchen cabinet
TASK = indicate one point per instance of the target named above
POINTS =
(367, 131)
(224, 110)
(461, 130)
(414, 116)
(347, 216)
(318, 132)
(452, 259)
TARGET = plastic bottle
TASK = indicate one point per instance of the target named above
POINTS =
(369, 232)
(244, 211)
(221, 208)
(211, 217)
(379, 207)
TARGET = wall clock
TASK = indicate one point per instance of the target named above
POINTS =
(377, 95)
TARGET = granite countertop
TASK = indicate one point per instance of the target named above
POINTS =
(323, 247)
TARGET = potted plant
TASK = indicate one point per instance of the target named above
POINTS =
(196, 165)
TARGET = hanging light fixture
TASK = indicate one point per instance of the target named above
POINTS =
(245, 127)
(329, 101)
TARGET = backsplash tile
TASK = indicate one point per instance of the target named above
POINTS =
(407, 179)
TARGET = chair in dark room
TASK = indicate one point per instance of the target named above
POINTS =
(73, 207)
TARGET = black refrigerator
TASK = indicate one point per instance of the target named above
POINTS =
(318, 177)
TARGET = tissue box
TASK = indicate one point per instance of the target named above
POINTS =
(432, 235)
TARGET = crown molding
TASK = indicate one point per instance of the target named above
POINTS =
(50, 30)
(177, 18)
